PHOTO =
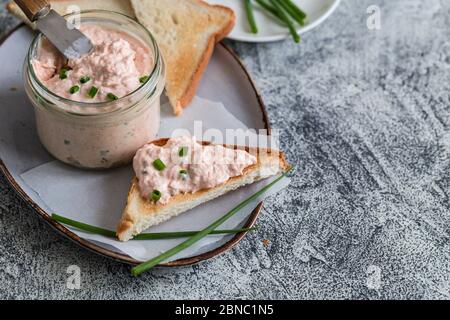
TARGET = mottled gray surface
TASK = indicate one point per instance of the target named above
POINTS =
(365, 117)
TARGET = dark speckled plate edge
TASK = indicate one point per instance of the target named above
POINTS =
(122, 257)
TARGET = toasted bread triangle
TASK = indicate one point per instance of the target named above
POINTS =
(141, 214)
(186, 32)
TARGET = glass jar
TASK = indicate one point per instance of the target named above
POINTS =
(98, 135)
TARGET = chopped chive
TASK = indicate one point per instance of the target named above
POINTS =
(183, 151)
(112, 96)
(74, 89)
(144, 236)
(93, 92)
(251, 16)
(63, 73)
(156, 195)
(85, 79)
(159, 165)
(184, 174)
(194, 239)
(143, 79)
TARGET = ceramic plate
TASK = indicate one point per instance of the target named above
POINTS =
(23, 152)
(269, 29)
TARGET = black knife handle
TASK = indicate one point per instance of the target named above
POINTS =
(34, 9)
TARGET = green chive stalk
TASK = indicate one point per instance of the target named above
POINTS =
(186, 234)
(251, 16)
(294, 7)
(293, 13)
(268, 7)
(144, 236)
(186, 244)
(286, 19)
(84, 227)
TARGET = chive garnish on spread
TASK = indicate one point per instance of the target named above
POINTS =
(63, 74)
(159, 165)
(156, 195)
(183, 151)
(85, 79)
(74, 89)
(112, 96)
(93, 92)
(143, 79)
(184, 174)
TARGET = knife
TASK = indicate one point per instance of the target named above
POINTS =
(61, 33)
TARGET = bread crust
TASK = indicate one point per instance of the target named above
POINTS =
(206, 57)
(130, 218)
(9, 7)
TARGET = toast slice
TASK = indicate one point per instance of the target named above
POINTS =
(64, 6)
(186, 32)
(141, 214)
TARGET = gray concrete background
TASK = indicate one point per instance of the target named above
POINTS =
(365, 118)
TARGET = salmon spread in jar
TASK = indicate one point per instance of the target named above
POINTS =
(98, 110)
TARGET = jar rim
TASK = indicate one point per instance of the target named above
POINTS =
(150, 82)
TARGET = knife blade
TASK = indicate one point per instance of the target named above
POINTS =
(70, 41)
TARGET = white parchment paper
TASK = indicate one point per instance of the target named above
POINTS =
(98, 198)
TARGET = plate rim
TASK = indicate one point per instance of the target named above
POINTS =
(301, 30)
(121, 257)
